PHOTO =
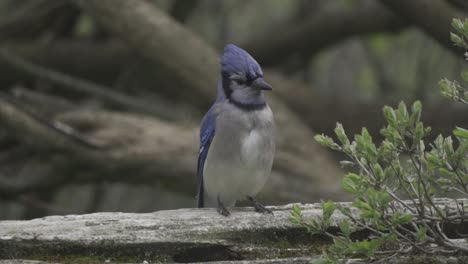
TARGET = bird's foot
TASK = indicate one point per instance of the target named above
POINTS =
(221, 209)
(259, 207)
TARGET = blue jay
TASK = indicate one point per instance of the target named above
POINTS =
(237, 136)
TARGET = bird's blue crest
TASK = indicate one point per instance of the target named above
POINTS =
(237, 61)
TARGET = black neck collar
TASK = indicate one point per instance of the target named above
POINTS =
(247, 106)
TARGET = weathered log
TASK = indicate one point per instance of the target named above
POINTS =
(185, 235)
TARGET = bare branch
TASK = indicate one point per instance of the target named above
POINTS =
(182, 9)
(434, 17)
(33, 129)
(161, 39)
(79, 85)
(311, 35)
(100, 62)
(63, 129)
(29, 19)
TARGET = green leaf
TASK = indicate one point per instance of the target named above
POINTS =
(457, 39)
(390, 116)
(415, 113)
(465, 26)
(351, 183)
(293, 219)
(387, 150)
(378, 198)
(422, 237)
(464, 76)
(402, 111)
(328, 209)
(341, 243)
(297, 209)
(370, 214)
(378, 171)
(433, 159)
(340, 133)
(313, 226)
(366, 147)
(448, 146)
(295, 216)
(461, 132)
(416, 107)
(346, 163)
(419, 131)
(401, 219)
(366, 247)
(373, 246)
(427, 130)
(345, 210)
(365, 135)
(345, 227)
(327, 141)
(392, 135)
(390, 237)
(323, 261)
(457, 24)
(366, 210)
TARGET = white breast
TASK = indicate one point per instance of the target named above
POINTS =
(240, 157)
(251, 147)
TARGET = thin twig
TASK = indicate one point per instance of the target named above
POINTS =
(77, 84)
(55, 125)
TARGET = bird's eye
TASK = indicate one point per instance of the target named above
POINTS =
(240, 82)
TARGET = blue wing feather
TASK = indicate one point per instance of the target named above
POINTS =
(207, 131)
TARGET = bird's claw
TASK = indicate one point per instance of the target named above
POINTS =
(259, 207)
(262, 209)
(221, 209)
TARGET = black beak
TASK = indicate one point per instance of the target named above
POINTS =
(260, 84)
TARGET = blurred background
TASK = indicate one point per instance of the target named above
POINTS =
(100, 101)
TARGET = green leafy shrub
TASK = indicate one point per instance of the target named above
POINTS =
(394, 183)
(452, 89)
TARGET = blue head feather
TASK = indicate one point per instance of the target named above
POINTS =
(237, 61)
